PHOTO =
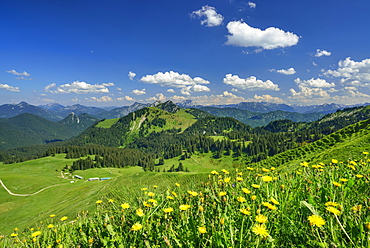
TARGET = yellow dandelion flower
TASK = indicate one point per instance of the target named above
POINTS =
(343, 180)
(250, 168)
(98, 201)
(153, 201)
(184, 207)
(227, 179)
(201, 208)
(16, 229)
(239, 179)
(193, 193)
(334, 161)
(168, 210)
(155, 186)
(266, 178)
(125, 206)
(50, 226)
(359, 176)
(35, 234)
(151, 194)
(245, 190)
(240, 173)
(136, 227)
(177, 184)
(316, 220)
(256, 186)
(273, 200)
(140, 212)
(146, 204)
(253, 197)
(357, 208)
(261, 218)
(352, 162)
(170, 197)
(225, 171)
(110, 200)
(64, 218)
(14, 235)
(352, 167)
(245, 211)
(333, 210)
(214, 172)
(241, 199)
(272, 168)
(269, 205)
(52, 215)
(367, 225)
(143, 189)
(202, 229)
(365, 153)
(222, 193)
(333, 204)
(260, 229)
(174, 194)
(337, 184)
(265, 170)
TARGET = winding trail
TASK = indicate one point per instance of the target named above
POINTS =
(11, 193)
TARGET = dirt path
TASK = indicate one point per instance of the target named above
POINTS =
(11, 193)
(198, 162)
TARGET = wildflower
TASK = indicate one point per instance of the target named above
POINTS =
(155, 186)
(261, 218)
(14, 235)
(52, 215)
(50, 226)
(147, 204)
(337, 184)
(140, 212)
(98, 201)
(214, 172)
(174, 194)
(143, 189)
(274, 201)
(269, 205)
(333, 204)
(16, 229)
(333, 210)
(201, 208)
(193, 193)
(245, 211)
(250, 168)
(352, 167)
(343, 180)
(253, 197)
(64, 218)
(222, 193)
(151, 194)
(177, 184)
(168, 210)
(305, 164)
(240, 173)
(153, 201)
(256, 186)
(136, 227)
(170, 197)
(272, 168)
(266, 178)
(239, 179)
(260, 229)
(225, 171)
(365, 153)
(356, 208)
(184, 207)
(110, 200)
(227, 179)
(265, 170)
(35, 234)
(245, 190)
(334, 161)
(241, 199)
(125, 205)
(367, 225)
(316, 220)
(359, 176)
(202, 229)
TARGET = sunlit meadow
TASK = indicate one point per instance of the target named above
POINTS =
(317, 205)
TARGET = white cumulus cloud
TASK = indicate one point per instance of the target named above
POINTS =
(139, 92)
(194, 88)
(102, 99)
(320, 53)
(131, 75)
(170, 91)
(78, 87)
(172, 79)
(316, 83)
(211, 17)
(252, 5)
(243, 35)
(307, 92)
(290, 71)
(352, 72)
(268, 98)
(158, 97)
(251, 83)
(14, 72)
(9, 88)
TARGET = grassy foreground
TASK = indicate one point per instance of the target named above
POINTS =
(316, 205)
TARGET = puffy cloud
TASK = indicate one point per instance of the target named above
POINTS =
(352, 72)
(290, 71)
(306, 92)
(194, 88)
(172, 79)
(268, 98)
(131, 75)
(251, 83)
(139, 92)
(316, 83)
(170, 91)
(178, 98)
(320, 53)
(102, 99)
(243, 35)
(252, 5)
(14, 72)
(224, 98)
(9, 88)
(78, 87)
(128, 98)
(157, 97)
(212, 18)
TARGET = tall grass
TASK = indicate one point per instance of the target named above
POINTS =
(317, 205)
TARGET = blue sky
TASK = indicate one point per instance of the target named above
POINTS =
(113, 53)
